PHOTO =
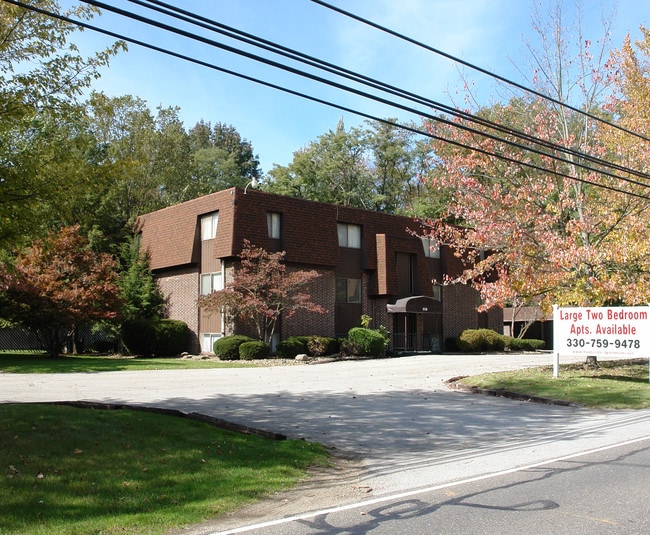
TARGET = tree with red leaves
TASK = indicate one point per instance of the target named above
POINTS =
(262, 290)
(57, 285)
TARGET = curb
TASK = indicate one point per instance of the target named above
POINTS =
(500, 393)
(210, 420)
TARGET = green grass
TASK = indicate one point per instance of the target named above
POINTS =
(41, 363)
(74, 471)
(614, 385)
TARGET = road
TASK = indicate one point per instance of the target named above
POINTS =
(392, 423)
(599, 492)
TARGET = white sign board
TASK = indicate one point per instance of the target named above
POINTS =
(602, 331)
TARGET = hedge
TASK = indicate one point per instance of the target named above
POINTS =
(370, 341)
(227, 348)
(292, 346)
(474, 340)
(159, 338)
(254, 350)
(323, 345)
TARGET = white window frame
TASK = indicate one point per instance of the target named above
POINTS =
(349, 235)
(273, 220)
(208, 340)
(209, 224)
(211, 282)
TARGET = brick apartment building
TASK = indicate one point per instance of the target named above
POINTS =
(370, 263)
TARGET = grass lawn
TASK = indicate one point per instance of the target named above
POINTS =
(614, 384)
(72, 471)
(41, 363)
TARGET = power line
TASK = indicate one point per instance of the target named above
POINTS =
(321, 101)
(210, 24)
(377, 98)
(475, 67)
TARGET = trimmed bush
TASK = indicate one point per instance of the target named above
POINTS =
(371, 342)
(524, 344)
(254, 350)
(472, 340)
(292, 346)
(227, 348)
(171, 338)
(323, 345)
(159, 338)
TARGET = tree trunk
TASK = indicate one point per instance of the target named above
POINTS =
(591, 362)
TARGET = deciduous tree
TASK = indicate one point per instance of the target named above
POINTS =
(57, 285)
(263, 289)
(540, 224)
(42, 75)
(377, 168)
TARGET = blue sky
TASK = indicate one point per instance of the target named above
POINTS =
(488, 33)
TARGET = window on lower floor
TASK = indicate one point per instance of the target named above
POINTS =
(208, 340)
(348, 290)
(211, 282)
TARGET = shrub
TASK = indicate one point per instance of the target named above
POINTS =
(137, 336)
(350, 348)
(254, 350)
(159, 337)
(524, 344)
(323, 345)
(227, 348)
(472, 340)
(536, 344)
(371, 342)
(292, 346)
(171, 337)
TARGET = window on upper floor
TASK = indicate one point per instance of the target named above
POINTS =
(209, 226)
(348, 290)
(273, 220)
(211, 282)
(431, 247)
(349, 235)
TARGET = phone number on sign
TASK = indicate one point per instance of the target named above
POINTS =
(628, 343)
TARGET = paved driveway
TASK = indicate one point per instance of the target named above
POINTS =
(395, 415)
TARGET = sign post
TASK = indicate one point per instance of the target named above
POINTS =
(600, 331)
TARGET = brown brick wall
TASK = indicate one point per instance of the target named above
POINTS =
(309, 236)
(303, 323)
(181, 290)
(459, 304)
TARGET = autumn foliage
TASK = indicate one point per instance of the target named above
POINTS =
(261, 290)
(58, 284)
(563, 221)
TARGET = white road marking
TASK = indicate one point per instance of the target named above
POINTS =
(407, 494)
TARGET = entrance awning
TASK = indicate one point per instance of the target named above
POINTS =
(417, 304)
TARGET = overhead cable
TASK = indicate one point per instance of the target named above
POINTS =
(212, 25)
(475, 67)
(346, 109)
(376, 98)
